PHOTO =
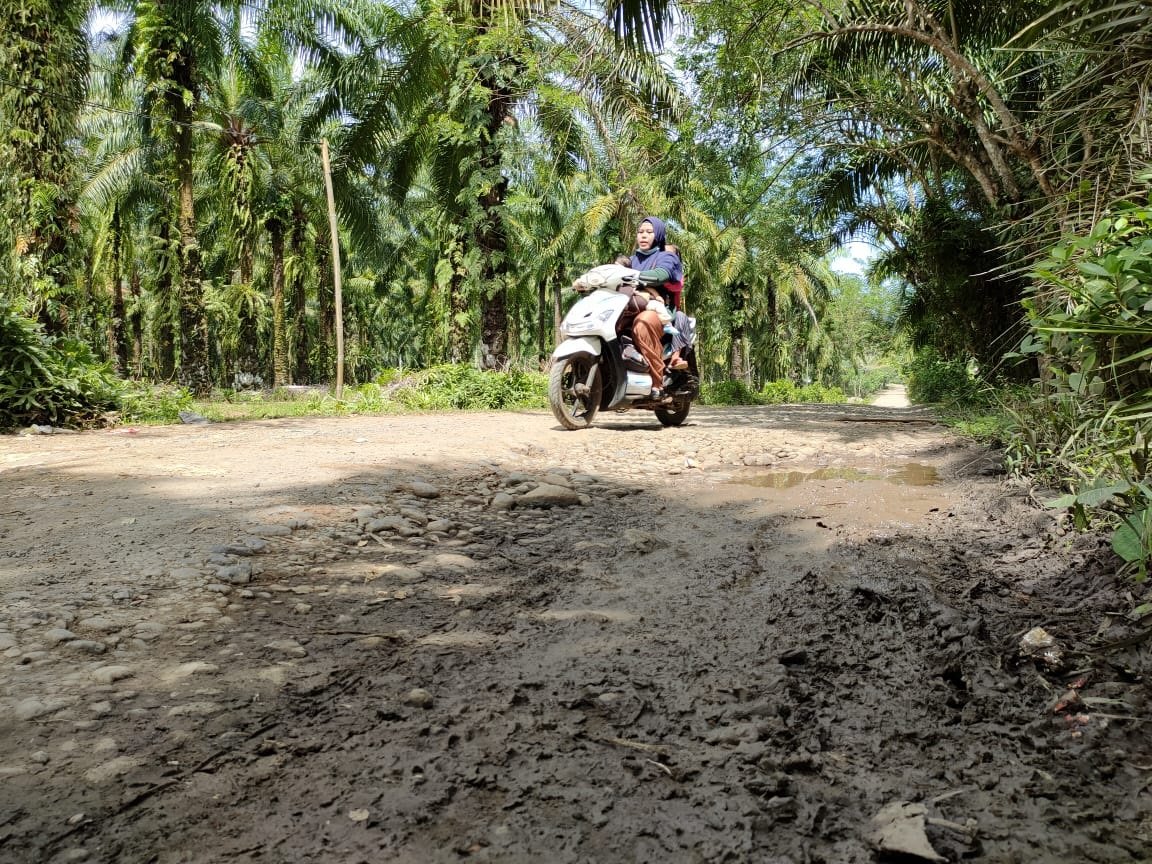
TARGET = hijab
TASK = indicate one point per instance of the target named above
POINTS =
(656, 257)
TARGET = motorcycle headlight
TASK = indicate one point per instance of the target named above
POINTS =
(581, 327)
(589, 324)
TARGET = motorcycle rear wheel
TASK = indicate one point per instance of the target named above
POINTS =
(674, 414)
(574, 390)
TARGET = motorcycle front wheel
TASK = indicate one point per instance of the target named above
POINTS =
(574, 390)
(674, 414)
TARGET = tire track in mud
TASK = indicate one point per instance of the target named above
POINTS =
(771, 712)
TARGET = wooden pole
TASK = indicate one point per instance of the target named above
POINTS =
(335, 270)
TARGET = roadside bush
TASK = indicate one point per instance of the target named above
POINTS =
(820, 395)
(772, 393)
(466, 388)
(778, 393)
(152, 403)
(1088, 427)
(54, 382)
(729, 393)
(935, 379)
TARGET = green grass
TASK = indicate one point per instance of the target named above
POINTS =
(442, 388)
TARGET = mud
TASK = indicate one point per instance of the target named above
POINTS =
(477, 637)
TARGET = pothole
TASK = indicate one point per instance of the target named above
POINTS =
(907, 474)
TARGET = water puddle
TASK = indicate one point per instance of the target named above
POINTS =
(909, 474)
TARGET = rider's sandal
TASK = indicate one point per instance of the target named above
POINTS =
(680, 364)
(656, 395)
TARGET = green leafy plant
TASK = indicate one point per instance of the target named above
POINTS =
(55, 382)
(152, 403)
(729, 393)
(935, 379)
(467, 388)
(1088, 430)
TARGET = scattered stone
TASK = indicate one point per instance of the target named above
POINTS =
(40, 756)
(547, 495)
(272, 530)
(57, 635)
(111, 674)
(302, 608)
(239, 573)
(365, 515)
(423, 490)
(149, 630)
(503, 501)
(117, 767)
(418, 697)
(642, 541)
(414, 515)
(288, 646)
(87, 646)
(32, 707)
(100, 624)
(398, 572)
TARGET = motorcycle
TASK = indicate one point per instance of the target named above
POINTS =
(595, 369)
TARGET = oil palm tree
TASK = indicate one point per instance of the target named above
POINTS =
(438, 95)
(44, 60)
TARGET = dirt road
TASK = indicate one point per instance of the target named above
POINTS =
(774, 635)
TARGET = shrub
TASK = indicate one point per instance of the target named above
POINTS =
(820, 395)
(152, 403)
(729, 393)
(932, 378)
(463, 387)
(55, 382)
(778, 393)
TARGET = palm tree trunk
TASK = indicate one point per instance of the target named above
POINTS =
(491, 236)
(164, 347)
(298, 344)
(118, 344)
(43, 56)
(279, 336)
(737, 359)
(459, 341)
(737, 353)
(542, 318)
(194, 372)
(136, 326)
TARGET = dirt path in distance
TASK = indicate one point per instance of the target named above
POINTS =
(784, 634)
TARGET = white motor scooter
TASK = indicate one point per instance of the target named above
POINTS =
(595, 369)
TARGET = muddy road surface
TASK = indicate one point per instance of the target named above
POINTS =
(783, 635)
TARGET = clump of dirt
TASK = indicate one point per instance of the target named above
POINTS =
(478, 637)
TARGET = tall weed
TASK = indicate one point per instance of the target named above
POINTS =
(1089, 427)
